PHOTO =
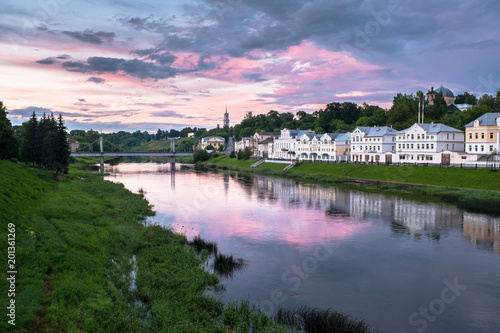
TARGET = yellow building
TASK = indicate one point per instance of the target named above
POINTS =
(190, 135)
(214, 141)
(482, 136)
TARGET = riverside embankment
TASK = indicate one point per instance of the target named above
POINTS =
(471, 189)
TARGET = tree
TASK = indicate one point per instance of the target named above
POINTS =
(209, 147)
(8, 143)
(487, 100)
(466, 98)
(232, 154)
(28, 153)
(200, 155)
(61, 150)
(438, 109)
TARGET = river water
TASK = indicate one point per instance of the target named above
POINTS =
(401, 265)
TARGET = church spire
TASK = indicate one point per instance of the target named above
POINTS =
(226, 118)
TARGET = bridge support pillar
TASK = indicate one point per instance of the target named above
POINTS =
(172, 158)
(102, 157)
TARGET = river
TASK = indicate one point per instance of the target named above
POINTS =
(399, 264)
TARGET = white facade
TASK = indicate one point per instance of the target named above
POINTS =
(286, 144)
(428, 143)
(370, 144)
(244, 142)
(323, 147)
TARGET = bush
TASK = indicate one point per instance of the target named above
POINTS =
(200, 156)
(232, 154)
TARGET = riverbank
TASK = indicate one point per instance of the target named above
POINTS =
(470, 189)
(85, 263)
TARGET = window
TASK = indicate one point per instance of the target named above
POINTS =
(399, 146)
(432, 146)
(446, 146)
(412, 136)
(378, 147)
(427, 146)
(482, 135)
(476, 136)
(447, 136)
(412, 147)
(418, 136)
(418, 146)
(491, 135)
(453, 146)
(482, 148)
(470, 135)
(470, 148)
(475, 148)
(491, 148)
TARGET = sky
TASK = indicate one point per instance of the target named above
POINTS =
(112, 65)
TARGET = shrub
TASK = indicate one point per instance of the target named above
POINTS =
(200, 156)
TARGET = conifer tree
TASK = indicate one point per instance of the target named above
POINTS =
(8, 144)
(28, 152)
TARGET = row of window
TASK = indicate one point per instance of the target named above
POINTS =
(421, 137)
(480, 147)
(482, 135)
(358, 139)
(424, 146)
(419, 157)
(367, 148)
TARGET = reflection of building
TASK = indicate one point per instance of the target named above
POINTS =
(363, 205)
(419, 217)
(482, 230)
(482, 136)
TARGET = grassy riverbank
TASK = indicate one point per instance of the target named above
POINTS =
(474, 190)
(86, 264)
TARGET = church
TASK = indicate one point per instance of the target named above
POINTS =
(447, 95)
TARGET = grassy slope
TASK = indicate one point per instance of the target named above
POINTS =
(75, 244)
(453, 177)
(479, 179)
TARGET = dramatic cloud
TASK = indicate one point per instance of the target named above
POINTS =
(96, 80)
(91, 37)
(47, 61)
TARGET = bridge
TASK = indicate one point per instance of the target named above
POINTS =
(124, 153)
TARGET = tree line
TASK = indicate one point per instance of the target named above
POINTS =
(41, 142)
(346, 116)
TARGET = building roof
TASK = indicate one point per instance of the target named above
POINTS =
(343, 136)
(487, 119)
(445, 91)
(377, 131)
(436, 128)
(266, 141)
(462, 107)
(212, 137)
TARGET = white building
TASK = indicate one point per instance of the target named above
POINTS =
(373, 144)
(263, 147)
(428, 143)
(285, 145)
(323, 147)
(244, 142)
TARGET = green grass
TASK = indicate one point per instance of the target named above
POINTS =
(226, 161)
(78, 244)
(456, 177)
(313, 320)
(266, 167)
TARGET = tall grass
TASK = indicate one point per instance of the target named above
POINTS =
(313, 320)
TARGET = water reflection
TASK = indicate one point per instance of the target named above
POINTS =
(390, 254)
